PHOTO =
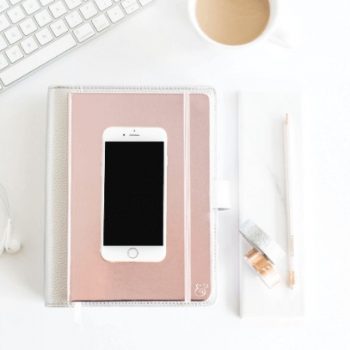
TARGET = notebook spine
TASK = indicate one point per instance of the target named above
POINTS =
(56, 197)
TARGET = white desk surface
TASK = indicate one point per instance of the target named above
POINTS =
(160, 47)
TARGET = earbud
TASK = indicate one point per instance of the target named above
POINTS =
(8, 244)
(11, 245)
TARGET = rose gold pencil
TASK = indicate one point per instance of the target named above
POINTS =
(288, 205)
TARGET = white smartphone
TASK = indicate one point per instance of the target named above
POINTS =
(134, 178)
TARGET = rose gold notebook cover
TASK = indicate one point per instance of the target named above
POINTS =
(185, 274)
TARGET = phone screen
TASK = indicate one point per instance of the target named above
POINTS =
(133, 193)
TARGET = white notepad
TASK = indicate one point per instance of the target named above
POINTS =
(261, 197)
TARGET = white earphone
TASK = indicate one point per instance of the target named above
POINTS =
(7, 244)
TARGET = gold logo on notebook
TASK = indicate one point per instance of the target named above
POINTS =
(201, 289)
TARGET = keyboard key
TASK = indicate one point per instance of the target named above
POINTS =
(14, 53)
(37, 59)
(14, 2)
(73, 3)
(58, 9)
(74, 19)
(3, 5)
(43, 18)
(3, 61)
(59, 27)
(88, 10)
(130, 6)
(28, 26)
(31, 6)
(3, 43)
(115, 13)
(100, 22)
(16, 14)
(13, 35)
(129, 10)
(103, 4)
(4, 23)
(29, 45)
(84, 32)
(44, 36)
(127, 3)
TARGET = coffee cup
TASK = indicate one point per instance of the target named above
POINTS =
(237, 23)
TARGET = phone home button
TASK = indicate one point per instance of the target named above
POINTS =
(133, 253)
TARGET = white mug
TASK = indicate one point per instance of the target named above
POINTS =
(272, 31)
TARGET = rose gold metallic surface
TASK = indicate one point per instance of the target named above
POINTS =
(93, 278)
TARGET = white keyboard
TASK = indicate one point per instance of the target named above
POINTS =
(34, 32)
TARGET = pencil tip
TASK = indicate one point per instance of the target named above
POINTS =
(291, 279)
